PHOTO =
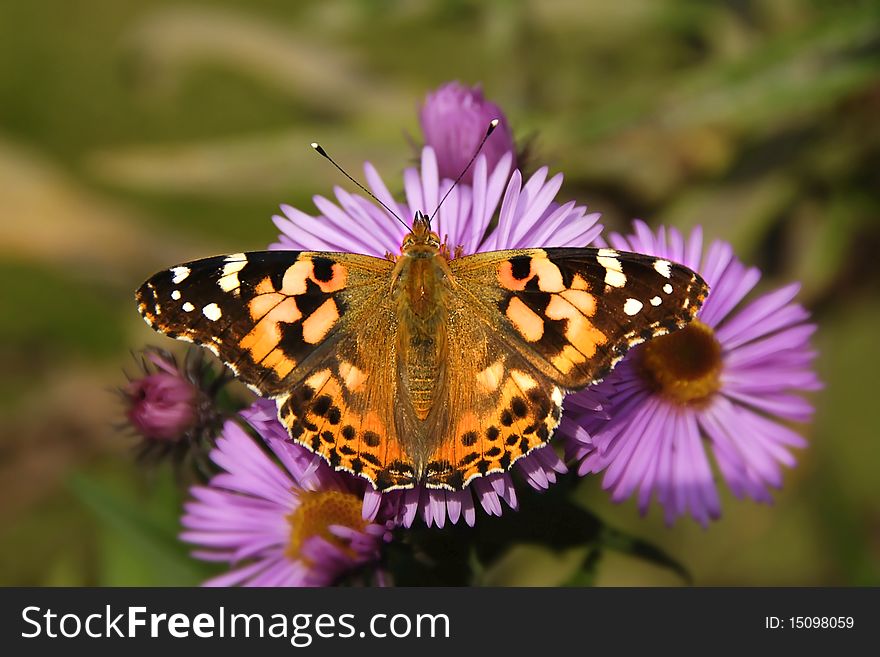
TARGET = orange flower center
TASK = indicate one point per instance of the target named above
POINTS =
(684, 366)
(317, 511)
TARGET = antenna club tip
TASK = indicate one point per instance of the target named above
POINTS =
(494, 123)
(315, 145)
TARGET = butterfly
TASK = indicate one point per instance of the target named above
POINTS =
(426, 367)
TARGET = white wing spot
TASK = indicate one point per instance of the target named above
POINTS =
(179, 274)
(615, 278)
(212, 312)
(656, 301)
(667, 288)
(228, 280)
(663, 268)
(614, 275)
(632, 306)
(188, 307)
(175, 294)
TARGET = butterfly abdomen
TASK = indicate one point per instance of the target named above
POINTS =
(422, 308)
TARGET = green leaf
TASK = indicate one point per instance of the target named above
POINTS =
(614, 539)
(138, 549)
(585, 575)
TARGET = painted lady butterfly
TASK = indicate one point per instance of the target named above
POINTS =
(422, 367)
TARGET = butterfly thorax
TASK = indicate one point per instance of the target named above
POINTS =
(420, 291)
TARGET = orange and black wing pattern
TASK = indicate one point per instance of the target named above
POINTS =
(263, 313)
(532, 325)
(573, 312)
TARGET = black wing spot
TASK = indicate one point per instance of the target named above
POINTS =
(521, 267)
(348, 432)
(506, 418)
(371, 459)
(311, 299)
(296, 430)
(492, 433)
(437, 468)
(518, 406)
(469, 439)
(322, 405)
(323, 269)
(372, 439)
(334, 415)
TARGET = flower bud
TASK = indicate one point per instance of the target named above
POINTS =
(454, 120)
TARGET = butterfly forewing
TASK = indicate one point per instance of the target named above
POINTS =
(263, 313)
(575, 312)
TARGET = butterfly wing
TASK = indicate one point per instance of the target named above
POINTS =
(574, 313)
(300, 327)
(263, 313)
(316, 332)
(496, 407)
(531, 325)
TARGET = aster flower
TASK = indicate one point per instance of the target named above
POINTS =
(294, 522)
(454, 120)
(723, 386)
(528, 217)
(171, 406)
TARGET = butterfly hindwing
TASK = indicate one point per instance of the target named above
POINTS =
(505, 407)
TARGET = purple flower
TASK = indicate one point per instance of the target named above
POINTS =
(726, 385)
(454, 119)
(162, 404)
(296, 523)
(528, 217)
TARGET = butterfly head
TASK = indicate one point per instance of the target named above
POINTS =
(421, 241)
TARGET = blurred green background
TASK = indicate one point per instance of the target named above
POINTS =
(135, 134)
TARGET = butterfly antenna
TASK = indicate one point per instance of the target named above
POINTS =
(323, 153)
(492, 125)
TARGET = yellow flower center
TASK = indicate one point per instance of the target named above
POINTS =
(317, 511)
(684, 366)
